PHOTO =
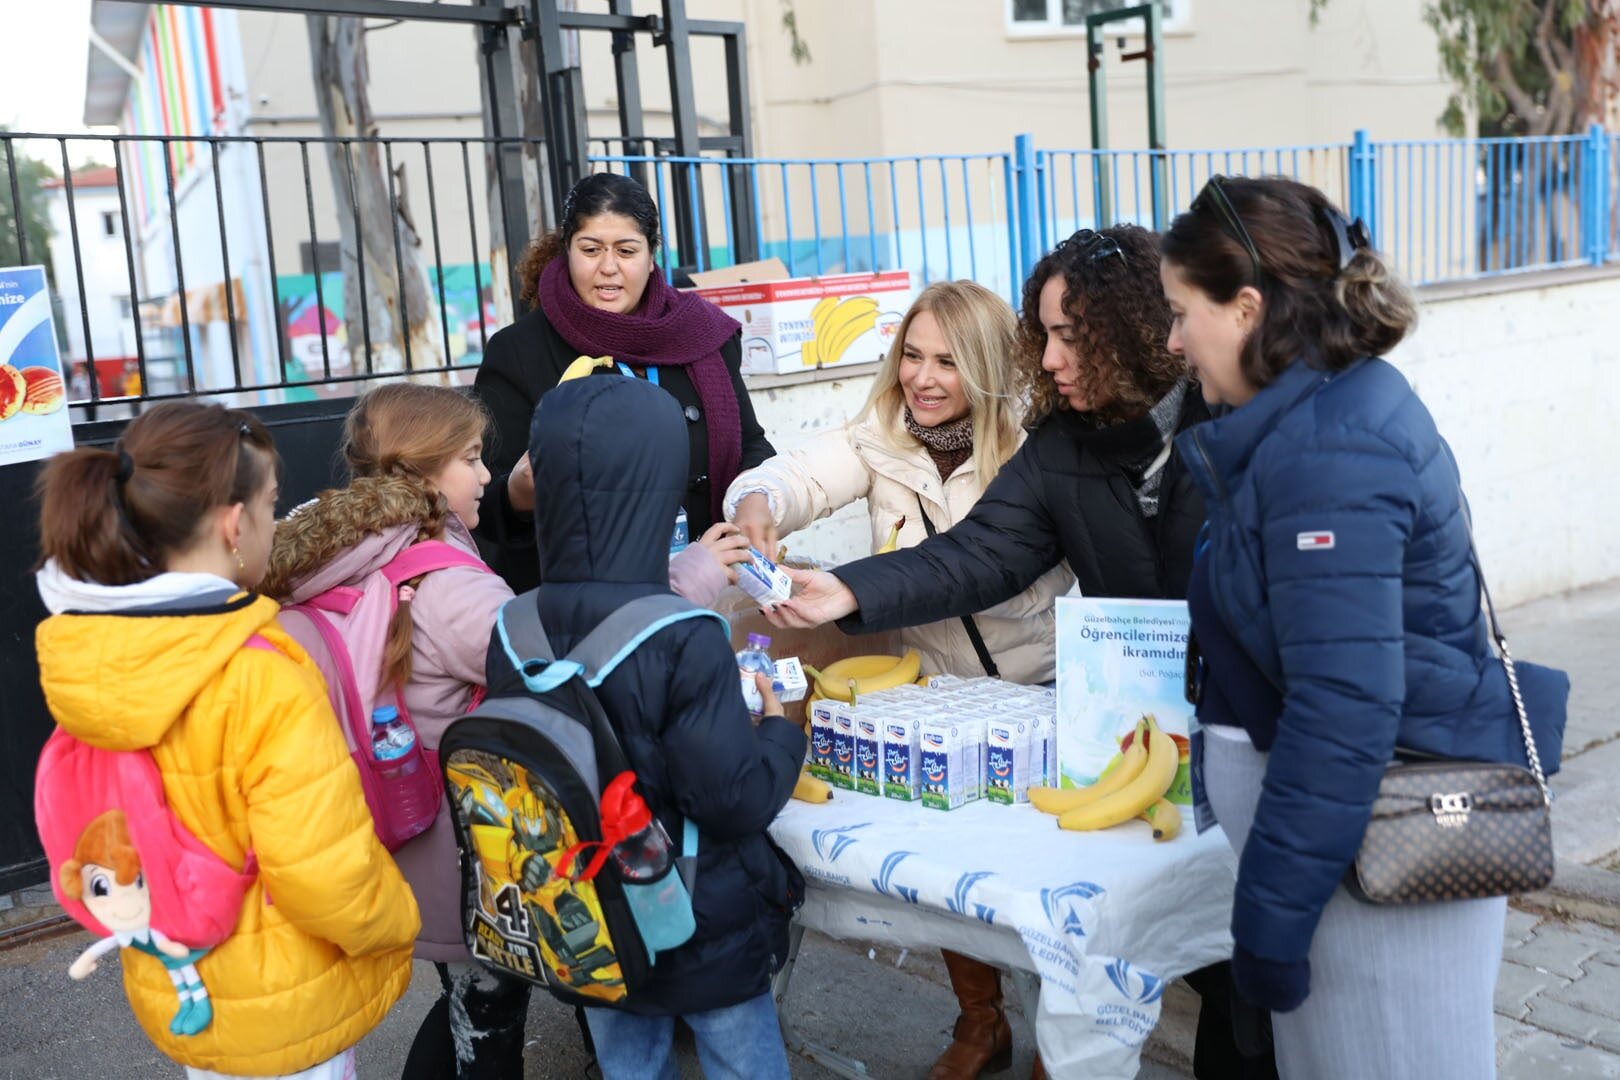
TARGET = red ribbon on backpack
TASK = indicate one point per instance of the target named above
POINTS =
(623, 813)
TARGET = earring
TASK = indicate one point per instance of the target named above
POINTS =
(236, 553)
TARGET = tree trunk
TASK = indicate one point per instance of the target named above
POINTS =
(532, 130)
(381, 335)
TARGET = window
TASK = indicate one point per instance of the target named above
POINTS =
(1040, 17)
(109, 223)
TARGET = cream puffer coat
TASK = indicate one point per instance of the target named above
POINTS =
(857, 461)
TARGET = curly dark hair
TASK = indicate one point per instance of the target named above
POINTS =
(1117, 307)
(599, 193)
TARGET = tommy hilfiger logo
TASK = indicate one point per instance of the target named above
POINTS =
(1315, 541)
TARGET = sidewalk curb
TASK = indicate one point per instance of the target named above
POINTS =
(1585, 892)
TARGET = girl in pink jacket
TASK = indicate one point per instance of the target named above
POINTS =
(415, 458)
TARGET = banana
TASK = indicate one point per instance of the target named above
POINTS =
(856, 675)
(1146, 789)
(818, 314)
(811, 789)
(853, 318)
(811, 354)
(1165, 818)
(1055, 801)
(893, 542)
(583, 366)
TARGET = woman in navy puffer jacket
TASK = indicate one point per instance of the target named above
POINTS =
(1336, 605)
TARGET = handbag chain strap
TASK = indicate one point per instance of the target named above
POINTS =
(1530, 751)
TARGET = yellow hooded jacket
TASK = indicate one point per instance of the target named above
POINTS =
(252, 760)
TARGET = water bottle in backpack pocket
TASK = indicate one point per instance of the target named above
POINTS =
(406, 784)
(345, 631)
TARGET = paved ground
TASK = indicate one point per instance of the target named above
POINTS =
(1557, 997)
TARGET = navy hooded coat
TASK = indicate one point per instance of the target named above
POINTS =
(610, 464)
(1340, 560)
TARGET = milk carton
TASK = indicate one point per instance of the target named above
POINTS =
(901, 748)
(974, 736)
(765, 583)
(1007, 764)
(843, 747)
(868, 751)
(946, 764)
(821, 738)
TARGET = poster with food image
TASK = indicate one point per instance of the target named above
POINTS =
(1119, 661)
(34, 419)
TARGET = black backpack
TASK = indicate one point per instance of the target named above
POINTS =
(528, 773)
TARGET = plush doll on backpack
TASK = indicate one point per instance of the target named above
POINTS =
(105, 875)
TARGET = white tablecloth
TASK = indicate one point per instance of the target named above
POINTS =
(1105, 919)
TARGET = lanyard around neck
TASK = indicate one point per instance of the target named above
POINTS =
(652, 373)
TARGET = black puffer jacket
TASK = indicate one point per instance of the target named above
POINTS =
(605, 503)
(1064, 495)
(523, 362)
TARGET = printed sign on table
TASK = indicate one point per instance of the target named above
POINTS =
(1118, 660)
(34, 419)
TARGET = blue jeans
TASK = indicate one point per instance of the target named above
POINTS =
(740, 1042)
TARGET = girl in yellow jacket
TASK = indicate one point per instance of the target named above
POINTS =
(152, 551)
(943, 418)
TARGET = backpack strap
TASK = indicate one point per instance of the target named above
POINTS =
(525, 643)
(622, 632)
(428, 556)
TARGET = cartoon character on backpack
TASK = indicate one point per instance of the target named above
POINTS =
(105, 875)
(512, 828)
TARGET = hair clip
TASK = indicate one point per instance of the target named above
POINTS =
(126, 466)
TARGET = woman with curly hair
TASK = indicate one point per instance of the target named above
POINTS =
(1098, 483)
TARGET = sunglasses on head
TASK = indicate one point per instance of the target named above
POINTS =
(1092, 246)
(1214, 196)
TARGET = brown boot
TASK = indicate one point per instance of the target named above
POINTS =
(982, 1039)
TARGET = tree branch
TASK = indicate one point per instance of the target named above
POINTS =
(1502, 76)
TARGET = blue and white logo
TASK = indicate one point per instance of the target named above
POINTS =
(883, 883)
(831, 843)
(1137, 985)
(958, 902)
(1062, 906)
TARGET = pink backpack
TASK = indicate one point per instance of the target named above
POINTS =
(345, 631)
(196, 896)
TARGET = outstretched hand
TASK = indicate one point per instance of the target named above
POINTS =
(818, 598)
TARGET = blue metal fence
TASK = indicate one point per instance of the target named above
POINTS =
(1441, 209)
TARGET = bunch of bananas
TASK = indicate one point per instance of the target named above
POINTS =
(848, 679)
(1135, 788)
(837, 325)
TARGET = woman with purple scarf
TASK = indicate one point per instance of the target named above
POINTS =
(594, 291)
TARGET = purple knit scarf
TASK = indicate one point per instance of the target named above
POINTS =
(668, 329)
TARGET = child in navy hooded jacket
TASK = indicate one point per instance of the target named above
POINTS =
(610, 469)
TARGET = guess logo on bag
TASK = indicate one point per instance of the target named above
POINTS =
(1451, 810)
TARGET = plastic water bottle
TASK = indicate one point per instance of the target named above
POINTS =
(682, 535)
(754, 658)
(392, 740)
(658, 899)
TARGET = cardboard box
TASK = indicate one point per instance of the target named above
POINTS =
(803, 323)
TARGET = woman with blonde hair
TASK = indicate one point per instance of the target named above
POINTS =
(414, 454)
(944, 416)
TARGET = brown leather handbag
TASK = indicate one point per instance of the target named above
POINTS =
(1459, 830)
